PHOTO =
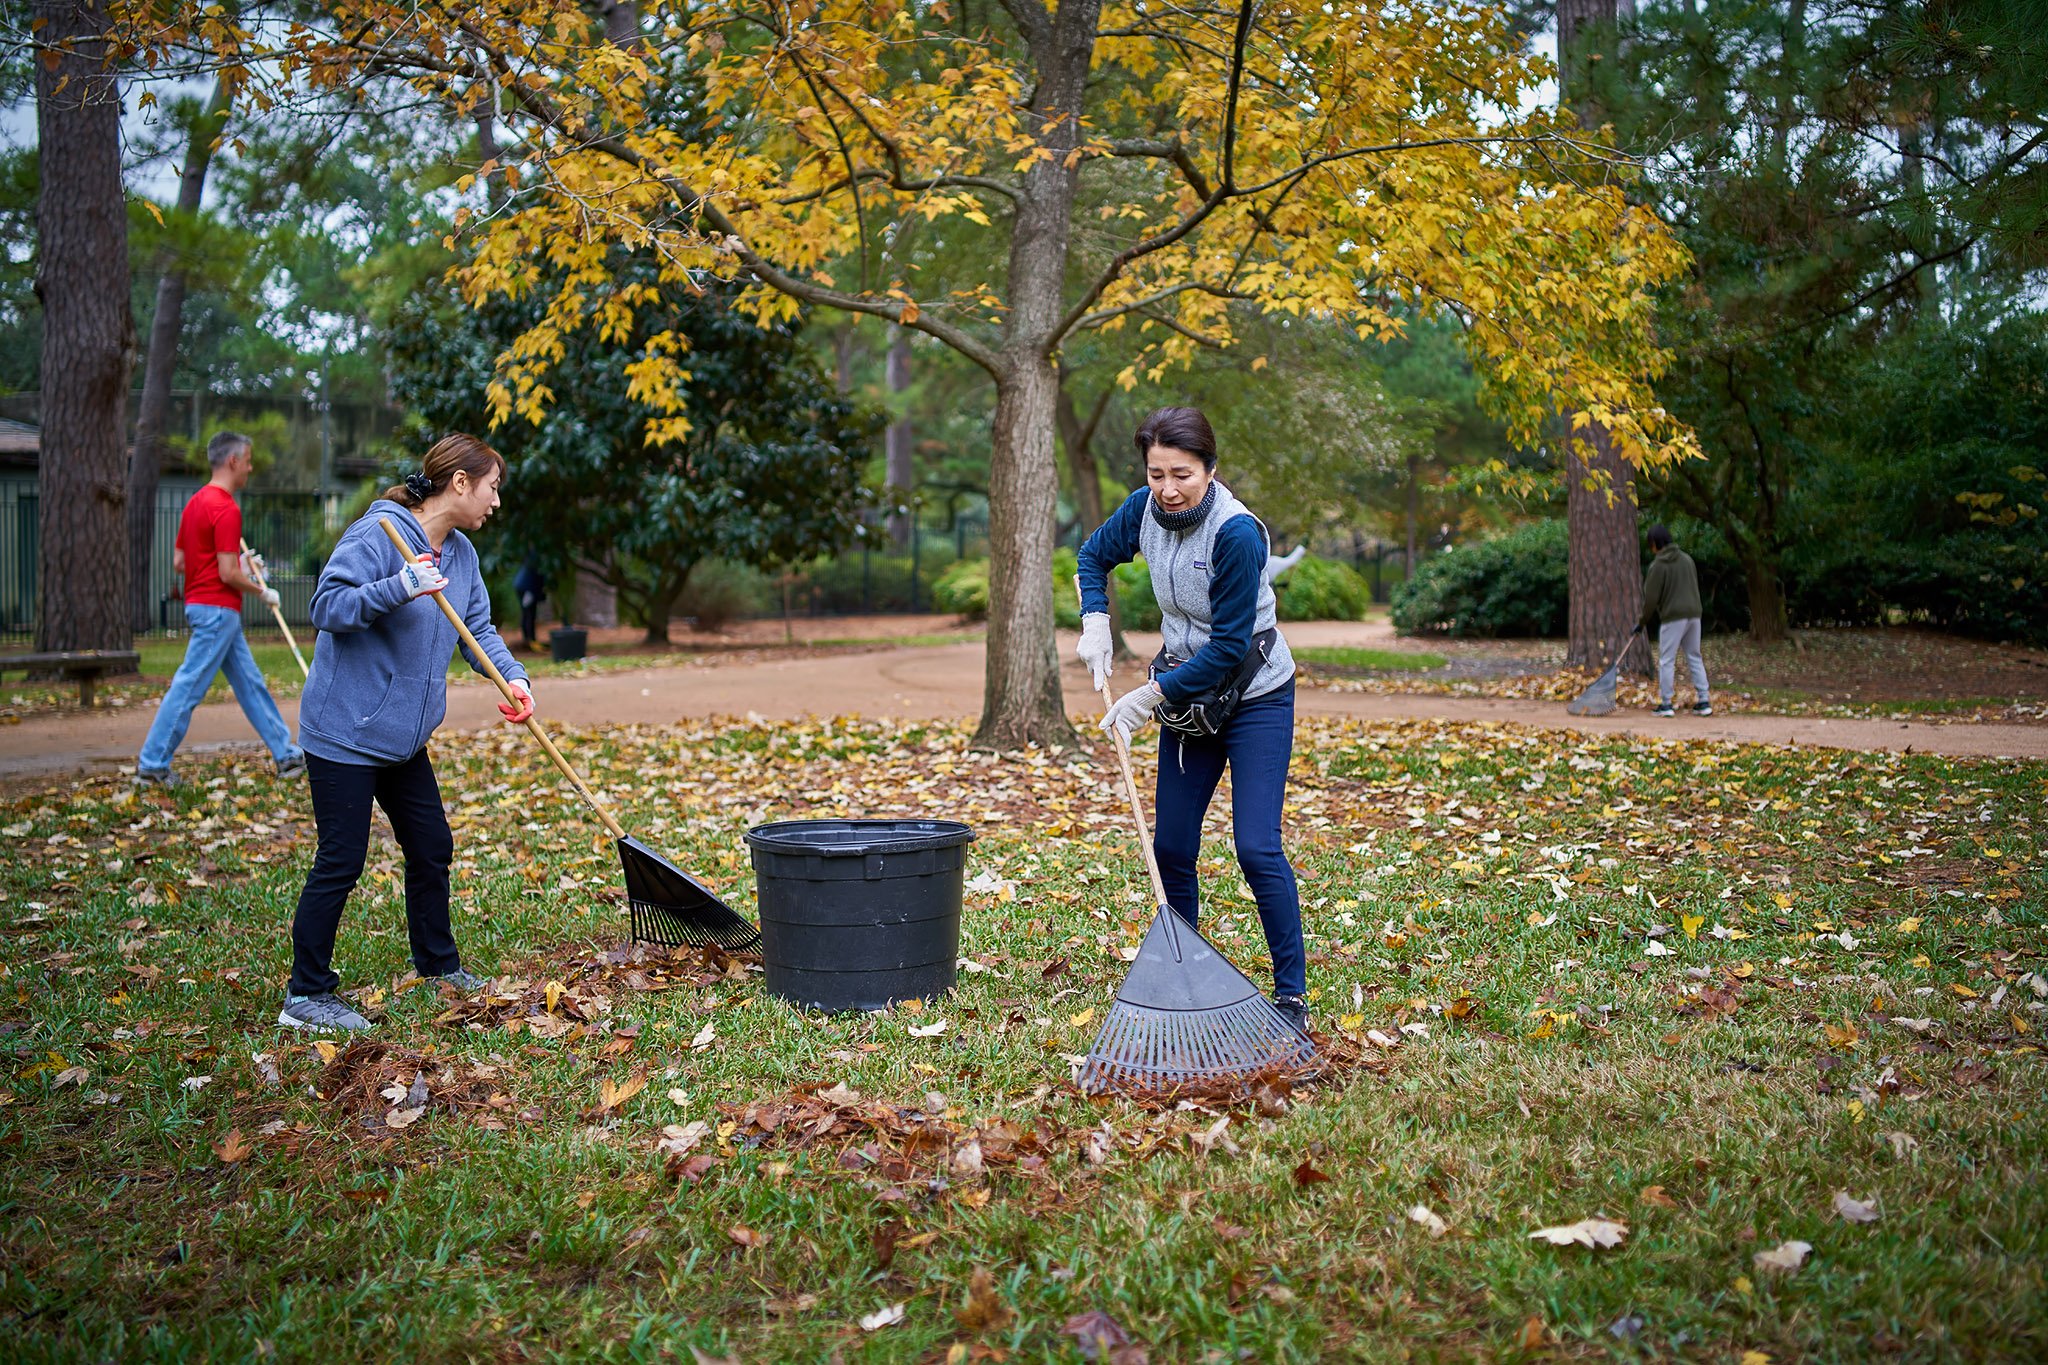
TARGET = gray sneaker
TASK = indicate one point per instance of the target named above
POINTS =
(467, 982)
(320, 1014)
(157, 777)
(292, 767)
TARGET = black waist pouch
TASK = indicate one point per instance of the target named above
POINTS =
(1207, 712)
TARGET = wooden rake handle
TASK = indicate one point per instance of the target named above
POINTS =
(278, 612)
(476, 652)
(1123, 758)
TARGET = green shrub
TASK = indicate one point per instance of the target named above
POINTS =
(963, 589)
(719, 592)
(1322, 590)
(835, 585)
(1514, 584)
(1134, 599)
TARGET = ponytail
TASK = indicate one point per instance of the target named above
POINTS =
(448, 455)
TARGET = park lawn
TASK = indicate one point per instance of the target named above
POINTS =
(1352, 656)
(1693, 989)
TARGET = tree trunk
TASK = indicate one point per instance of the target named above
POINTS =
(88, 335)
(1414, 503)
(1021, 702)
(1605, 573)
(1078, 439)
(900, 455)
(1769, 622)
(145, 462)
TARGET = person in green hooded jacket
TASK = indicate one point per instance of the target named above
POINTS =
(1671, 605)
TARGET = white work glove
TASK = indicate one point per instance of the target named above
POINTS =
(1096, 649)
(421, 578)
(1280, 564)
(1133, 709)
(270, 597)
(254, 567)
(518, 715)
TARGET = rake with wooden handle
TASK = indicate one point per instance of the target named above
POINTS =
(278, 612)
(1184, 1016)
(669, 906)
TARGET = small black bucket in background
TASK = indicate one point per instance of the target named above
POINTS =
(566, 644)
(859, 914)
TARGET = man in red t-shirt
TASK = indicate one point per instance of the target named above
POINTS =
(209, 558)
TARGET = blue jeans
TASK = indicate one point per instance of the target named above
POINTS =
(216, 646)
(1258, 744)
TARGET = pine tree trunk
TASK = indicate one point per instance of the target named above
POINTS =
(900, 455)
(145, 463)
(1021, 702)
(1600, 505)
(88, 336)
(1605, 575)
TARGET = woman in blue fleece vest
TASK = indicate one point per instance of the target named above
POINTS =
(378, 688)
(1207, 555)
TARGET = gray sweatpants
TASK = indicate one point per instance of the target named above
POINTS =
(1671, 637)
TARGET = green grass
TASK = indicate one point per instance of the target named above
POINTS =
(1349, 656)
(1560, 1068)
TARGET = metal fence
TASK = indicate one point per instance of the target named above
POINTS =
(289, 528)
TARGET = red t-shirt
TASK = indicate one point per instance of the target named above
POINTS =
(211, 525)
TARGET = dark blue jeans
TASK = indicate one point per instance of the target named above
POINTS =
(411, 798)
(1257, 743)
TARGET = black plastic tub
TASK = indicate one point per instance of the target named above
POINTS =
(566, 644)
(859, 914)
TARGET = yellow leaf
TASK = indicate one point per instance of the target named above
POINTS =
(555, 989)
(1084, 1018)
(1351, 1022)
(1756, 1358)
(611, 1096)
(1691, 924)
(1910, 925)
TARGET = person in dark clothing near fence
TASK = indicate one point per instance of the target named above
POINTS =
(531, 587)
(1671, 604)
(1207, 555)
(379, 688)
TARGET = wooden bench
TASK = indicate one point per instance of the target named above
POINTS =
(83, 666)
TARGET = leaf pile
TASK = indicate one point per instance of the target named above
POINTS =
(392, 1087)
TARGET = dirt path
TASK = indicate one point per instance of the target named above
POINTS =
(945, 681)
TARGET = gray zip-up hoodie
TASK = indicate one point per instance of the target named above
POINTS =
(379, 684)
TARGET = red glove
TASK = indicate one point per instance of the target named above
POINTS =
(518, 715)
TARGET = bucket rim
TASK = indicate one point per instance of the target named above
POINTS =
(887, 836)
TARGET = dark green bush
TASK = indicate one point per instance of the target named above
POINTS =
(1134, 599)
(1511, 585)
(964, 589)
(720, 591)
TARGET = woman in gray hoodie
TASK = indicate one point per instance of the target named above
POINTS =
(378, 688)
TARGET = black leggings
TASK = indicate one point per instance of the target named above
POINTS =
(411, 799)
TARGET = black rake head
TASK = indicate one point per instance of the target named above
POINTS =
(674, 909)
(1186, 1017)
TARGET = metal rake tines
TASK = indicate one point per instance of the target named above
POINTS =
(701, 928)
(1140, 1048)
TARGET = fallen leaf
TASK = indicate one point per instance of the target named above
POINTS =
(610, 1096)
(966, 1162)
(400, 1118)
(1656, 948)
(74, 1075)
(196, 1082)
(1587, 1232)
(1214, 1136)
(1083, 1019)
(699, 1356)
(1099, 1335)
(1306, 1175)
(887, 1316)
(1854, 1210)
(703, 1038)
(232, 1147)
(839, 1094)
(746, 1236)
(801, 1303)
(984, 1310)
(1903, 1144)
(1421, 1214)
(1691, 924)
(1654, 1194)
(931, 1030)
(677, 1139)
(1783, 1258)
(1532, 1335)
(1756, 1358)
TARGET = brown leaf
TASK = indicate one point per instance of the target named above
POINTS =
(1054, 968)
(746, 1236)
(611, 1095)
(883, 1242)
(1306, 1175)
(984, 1310)
(231, 1148)
(1532, 1334)
(1654, 1194)
(690, 1170)
(1097, 1334)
